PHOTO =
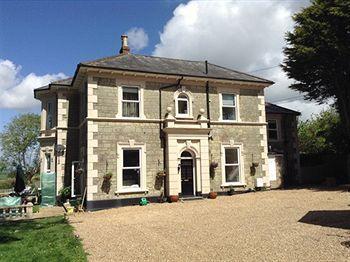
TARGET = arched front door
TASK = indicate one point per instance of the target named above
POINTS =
(187, 174)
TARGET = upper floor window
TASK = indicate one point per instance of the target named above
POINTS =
(183, 106)
(272, 127)
(228, 107)
(49, 121)
(130, 102)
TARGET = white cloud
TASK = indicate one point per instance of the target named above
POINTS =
(16, 92)
(243, 35)
(138, 38)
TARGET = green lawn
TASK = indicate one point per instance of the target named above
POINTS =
(47, 239)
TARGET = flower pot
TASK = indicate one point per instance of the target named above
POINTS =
(231, 192)
(173, 198)
(213, 195)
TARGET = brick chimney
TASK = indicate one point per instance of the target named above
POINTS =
(124, 49)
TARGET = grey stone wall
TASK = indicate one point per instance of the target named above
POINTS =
(107, 105)
(288, 146)
(250, 138)
(110, 133)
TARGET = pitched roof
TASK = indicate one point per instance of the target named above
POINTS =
(275, 109)
(66, 81)
(162, 65)
(63, 82)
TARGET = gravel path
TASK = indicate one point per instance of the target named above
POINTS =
(260, 226)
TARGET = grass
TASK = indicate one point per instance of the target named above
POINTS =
(47, 239)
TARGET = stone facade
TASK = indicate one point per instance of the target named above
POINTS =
(92, 130)
(286, 150)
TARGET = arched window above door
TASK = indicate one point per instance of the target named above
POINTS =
(183, 103)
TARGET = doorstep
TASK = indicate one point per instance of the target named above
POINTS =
(190, 198)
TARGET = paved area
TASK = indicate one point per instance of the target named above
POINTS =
(283, 225)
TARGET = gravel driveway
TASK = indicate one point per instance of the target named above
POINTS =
(283, 225)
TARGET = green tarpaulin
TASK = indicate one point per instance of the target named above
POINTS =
(48, 189)
(10, 201)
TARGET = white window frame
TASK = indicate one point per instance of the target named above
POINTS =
(277, 130)
(49, 110)
(120, 168)
(188, 94)
(47, 164)
(188, 106)
(140, 87)
(240, 164)
(236, 106)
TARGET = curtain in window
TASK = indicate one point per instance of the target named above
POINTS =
(131, 109)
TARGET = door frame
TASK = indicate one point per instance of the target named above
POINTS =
(193, 158)
(72, 193)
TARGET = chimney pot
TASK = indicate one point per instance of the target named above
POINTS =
(124, 48)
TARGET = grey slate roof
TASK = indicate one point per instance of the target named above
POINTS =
(161, 65)
(65, 82)
(275, 109)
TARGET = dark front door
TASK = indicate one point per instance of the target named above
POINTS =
(187, 177)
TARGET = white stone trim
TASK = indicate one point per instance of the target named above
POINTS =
(241, 181)
(199, 145)
(92, 127)
(143, 174)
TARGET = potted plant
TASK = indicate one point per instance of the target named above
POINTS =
(108, 176)
(213, 166)
(161, 173)
(173, 198)
(64, 194)
(213, 195)
(231, 191)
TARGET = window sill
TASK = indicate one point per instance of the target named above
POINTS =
(229, 121)
(238, 184)
(130, 191)
(183, 117)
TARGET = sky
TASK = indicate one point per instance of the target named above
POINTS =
(44, 41)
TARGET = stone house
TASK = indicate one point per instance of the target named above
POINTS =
(131, 126)
(283, 149)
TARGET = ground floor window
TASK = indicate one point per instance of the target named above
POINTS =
(48, 162)
(231, 165)
(131, 171)
(131, 167)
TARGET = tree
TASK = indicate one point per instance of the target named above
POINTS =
(318, 54)
(323, 133)
(19, 143)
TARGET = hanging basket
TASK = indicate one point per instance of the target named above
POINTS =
(161, 174)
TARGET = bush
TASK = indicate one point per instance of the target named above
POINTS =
(7, 183)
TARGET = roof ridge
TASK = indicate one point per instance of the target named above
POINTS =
(170, 58)
(241, 72)
(281, 107)
(103, 58)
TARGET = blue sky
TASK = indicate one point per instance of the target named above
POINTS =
(52, 37)
(43, 41)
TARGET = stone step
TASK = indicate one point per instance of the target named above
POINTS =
(190, 198)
